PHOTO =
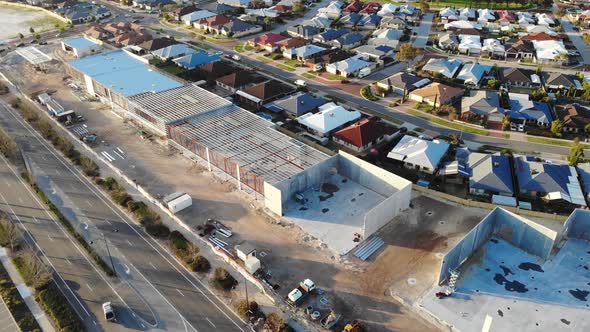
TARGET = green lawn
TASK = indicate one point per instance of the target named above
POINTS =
(283, 67)
(334, 77)
(475, 4)
(449, 124)
(239, 48)
(263, 59)
(544, 140)
(384, 117)
(418, 130)
(217, 40)
(173, 69)
(308, 75)
(291, 63)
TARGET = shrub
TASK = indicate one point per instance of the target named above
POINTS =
(120, 197)
(158, 230)
(89, 167)
(58, 308)
(32, 270)
(199, 264)
(178, 241)
(15, 303)
(7, 145)
(223, 280)
(243, 309)
(274, 323)
(46, 129)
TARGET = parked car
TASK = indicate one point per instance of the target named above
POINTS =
(109, 313)
(20, 44)
(344, 81)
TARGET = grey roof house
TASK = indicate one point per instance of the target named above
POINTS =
(349, 40)
(489, 174)
(482, 103)
(304, 31)
(420, 154)
(297, 104)
(402, 83)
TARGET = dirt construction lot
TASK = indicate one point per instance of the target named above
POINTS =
(406, 267)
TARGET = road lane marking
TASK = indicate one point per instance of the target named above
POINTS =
(87, 202)
(69, 261)
(179, 292)
(487, 324)
(92, 290)
(210, 322)
(57, 172)
(108, 222)
(152, 265)
(118, 148)
(162, 252)
(131, 244)
(118, 154)
(94, 322)
(50, 238)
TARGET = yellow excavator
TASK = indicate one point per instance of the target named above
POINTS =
(354, 326)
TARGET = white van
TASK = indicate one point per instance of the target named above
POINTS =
(301, 83)
(109, 313)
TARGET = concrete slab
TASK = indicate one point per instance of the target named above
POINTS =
(519, 291)
(334, 219)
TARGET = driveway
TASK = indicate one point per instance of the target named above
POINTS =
(576, 38)
(423, 30)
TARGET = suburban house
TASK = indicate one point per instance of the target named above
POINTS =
(584, 173)
(330, 118)
(436, 94)
(304, 52)
(349, 20)
(235, 28)
(371, 8)
(472, 73)
(566, 84)
(446, 67)
(192, 17)
(350, 67)
(322, 60)
(516, 77)
(213, 70)
(448, 41)
(353, 6)
(551, 52)
(292, 43)
(393, 22)
(482, 104)
(349, 40)
(238, 80)
(297, 104)
(530, 112)
(83, 13)
(402, 83)
(375, 53)
(550, 182)
(303, 31)
(330, 35)
(178, 13)
(469, 44)
(521, 49)
(206, 23)
(575, 118)
(132, 38)
(493, 48)
(368, 22)
(489, 174)
(235, 3)
(419, 154)
(269, 41)
(333, 10)
(156, 44)
(191, 61)
(98, 33)
(151, 4)
(262, 93)
(174, 51)
(364, 134)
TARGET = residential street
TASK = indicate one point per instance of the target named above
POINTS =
(178, 300)
(423, 30)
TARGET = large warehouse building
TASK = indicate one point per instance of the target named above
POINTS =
(117, 75)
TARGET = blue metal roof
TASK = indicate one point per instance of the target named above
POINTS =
(191, 61)
(333, 34)
(79, 42)
(123, 73)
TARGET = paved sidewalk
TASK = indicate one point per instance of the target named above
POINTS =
(25, 292)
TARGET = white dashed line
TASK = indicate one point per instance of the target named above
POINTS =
(152, 265)
(129, 242)
(118, 154)
(69, 261)
(87, 202)
(179, 292)
(50, 238)
(57, 172)
(92, 290)
(210, 322)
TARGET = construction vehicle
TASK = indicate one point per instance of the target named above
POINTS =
(354, 326)
(330, 320)
(297, 295)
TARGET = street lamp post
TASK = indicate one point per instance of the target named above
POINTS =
(106, 244)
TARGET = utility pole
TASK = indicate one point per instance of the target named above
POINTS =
(106, 244)
(247, 301)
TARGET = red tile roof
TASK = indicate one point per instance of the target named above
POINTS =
(214, 20)
(506, 16)
(540, 36)
(353, 6)
(268, 39)
(283, 8)
(364, 131)
(371, 8)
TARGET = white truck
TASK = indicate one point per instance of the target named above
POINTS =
(301, 83)
(177, 202)
(109, 313)
(297, 295)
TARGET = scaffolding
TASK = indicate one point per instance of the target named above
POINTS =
(244, 146)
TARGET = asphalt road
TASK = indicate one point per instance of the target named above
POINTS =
(177, 301)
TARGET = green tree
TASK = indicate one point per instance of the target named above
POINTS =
(424, 7)
(587, 129)
(298, 7)
(31, 30)
(492, 84)
(576, 153)
(505, 123)
(560, 12)
(268, 23)
(20, 36)
(556, 127)
(37, 36)
(407, 52)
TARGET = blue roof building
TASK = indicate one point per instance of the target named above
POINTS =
(194, 60)
(331, 34)
(521, 108)
(489, 174)
(80, 46)
(551, 181)
(122, 73)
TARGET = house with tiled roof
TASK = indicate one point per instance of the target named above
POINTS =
(99, 33)
(350, 20)
(518, 77)
(393, 22)
(472, 73)
(156, 44)
(349, 40)
(540, 36)
(173, 51)
(330, 118)
(420, 154)
(132, 38)
(292, 43)
(555, 81)
(506, 16)
(350, 67)
(194, 16)
(263, 93)
(297, 104)
(235, 28)
(212, 71)
(482, 104)
(353, 6)
(364, 134)
(402, 83)
(213, 21)
(181, 11)
(550, 182)
(575, 118)
(489, 174)
(235, 3)
(283, 9)
(375, 53)
(436, 94)
(443, 66)
(193, 60)
(522, 109)
(324, 59)
(521, 49)
(304, 52)
(368, 22)
(371, 8)
(269, 41)
(303, 31)
(238, 80)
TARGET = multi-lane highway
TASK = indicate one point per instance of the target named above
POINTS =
(159, 291)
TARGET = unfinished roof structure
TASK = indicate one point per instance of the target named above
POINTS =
(244, 146)
(160, 109)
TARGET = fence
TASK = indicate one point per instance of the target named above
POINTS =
(489, 206)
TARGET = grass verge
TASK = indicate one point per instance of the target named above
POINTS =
(16, 305)
(449, 124)
(287, 68)
(382, 116)
(544, 140)
(263, 59)
(57, 306)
